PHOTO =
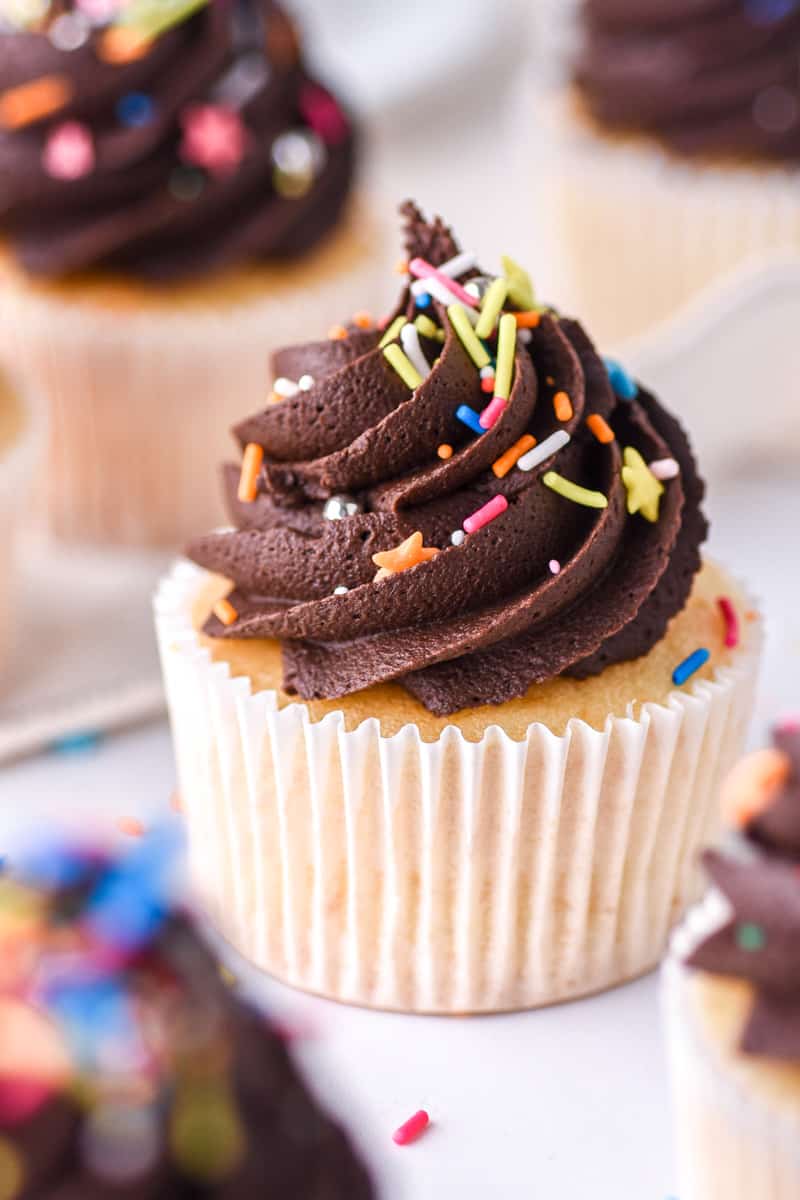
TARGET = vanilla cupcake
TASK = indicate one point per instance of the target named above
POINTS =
(732, 992)
(675, 156)
(175, 201)
(452, 700)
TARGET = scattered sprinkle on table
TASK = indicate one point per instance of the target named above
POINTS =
(411, 1129)
(731, 620)
(573, 491)
(690, 665)
(488, 512)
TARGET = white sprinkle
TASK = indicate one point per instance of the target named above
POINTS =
(437, 289)
(305, 383)
(554, 565)
(409, 340)
(665, 468)
(452, 268)
(70, 31)
(285, 387)
(457, 537)
(539, 453)
(340, 590)
(523, 337)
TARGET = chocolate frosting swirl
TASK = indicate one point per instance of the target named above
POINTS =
(211, 147)
(760, 942)
(705, 76)
(488, 616)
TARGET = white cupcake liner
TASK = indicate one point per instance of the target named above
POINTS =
(141, 400)
(635, 232)
(732, 1145)
(444, 877)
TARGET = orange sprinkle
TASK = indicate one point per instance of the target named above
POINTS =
(750, 615)
(527, 320)
(600, 428)
(753, 784)
(401, 266)
(363, 320)
(407, 554)
(225, 612)
(251, 465)
(563, 406)
(31, 101)
(506, 461)
(122, 45)
(337, 333)
(445, 451)
(550, 381)
(131, 826)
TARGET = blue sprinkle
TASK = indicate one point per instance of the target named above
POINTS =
(77, 743)
(767, 12)
(423, 300)
(470, 418)
(622, 382)
(687, 668)
(135, 109)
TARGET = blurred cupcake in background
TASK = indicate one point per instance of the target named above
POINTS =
(732, 996)
(175, 202)
(675, 154)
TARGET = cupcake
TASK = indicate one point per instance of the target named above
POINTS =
(128, 1066)
(675, 155)
(451, 700)
(175, 202)
(732, 996)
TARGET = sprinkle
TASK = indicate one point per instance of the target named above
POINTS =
(77, 743)
(403, 366)
(391, 333)
(363, 320)
(493, 508)
(491, 308)
(337, 333)
(31, 101)
(512, 456)
(563, 406)
(687, 668)
(600, 428)
(401, 266)
(554, 566)
(340, 590)
(520, 288)
(69, 151)
(225, 612)
(429, 328)
(524, 337)
(731, 621)
(753, 784)
(664, 468)
(408, 554)
(457, 537)
(305, 383)
(445, 451)
(131, 826)
(320, 110)
(750, 937)
(493, 412)
(452, 268)
(70, 31)
(527, 320)
(544, 450)
(120, 45)
(572, 491)
(175, 802)
(409, 340)
(487, 372)
(424, 300)
(411, 1129)
(251, 465)
(135, 109)
(469, 340)
(214, 137)
(285, 387)
(506, 351)
(644, 490)
(470, 418)
(487, 385)
(424, 270)
(621, 381)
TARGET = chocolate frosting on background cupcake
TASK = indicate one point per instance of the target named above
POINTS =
(163, 139)
(715, 77)
(551, 584)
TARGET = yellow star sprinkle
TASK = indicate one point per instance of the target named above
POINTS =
(520, 288)
(644, 490)
(407, 554)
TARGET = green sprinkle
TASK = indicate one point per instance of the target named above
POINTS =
(428, 328)
(491, 308)
(520, 288)
(403, 366)
(392, 332)
(471, 343)
(572, 491)
(750, 936)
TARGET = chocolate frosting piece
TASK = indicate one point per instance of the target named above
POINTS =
(210, 147)
(175, 1085)
(486, 615)
(761, 941)
(712, 77)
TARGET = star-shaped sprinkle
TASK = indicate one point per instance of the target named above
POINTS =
(644, 490)
(214, 138)
(69, 151)
(520, 287)
(408, 554)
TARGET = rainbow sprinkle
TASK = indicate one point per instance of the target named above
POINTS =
(403, 366)
(544, 450)
(731, 620)
(467, 336)
(492, 509)
(470, 418)
(411, 1129)
(571, 491)
(409, 339)
(621, 381)
(690, 665)
(392, 332)
(491, 308)
(493, 412)
(433, 275)
(512, 456)
(506, 351)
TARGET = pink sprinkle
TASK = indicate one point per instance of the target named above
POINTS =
(213, 137)
(69, 151)
(554, 565)
(322, 113)
(495, 506)
(789, 724)
(493, 412)
(410, 1130)
(423, 270)
(731, 621)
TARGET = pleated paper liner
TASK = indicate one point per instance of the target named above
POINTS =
(442, 877)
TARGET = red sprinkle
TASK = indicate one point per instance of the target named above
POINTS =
(731, 621)
(410, 1130)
